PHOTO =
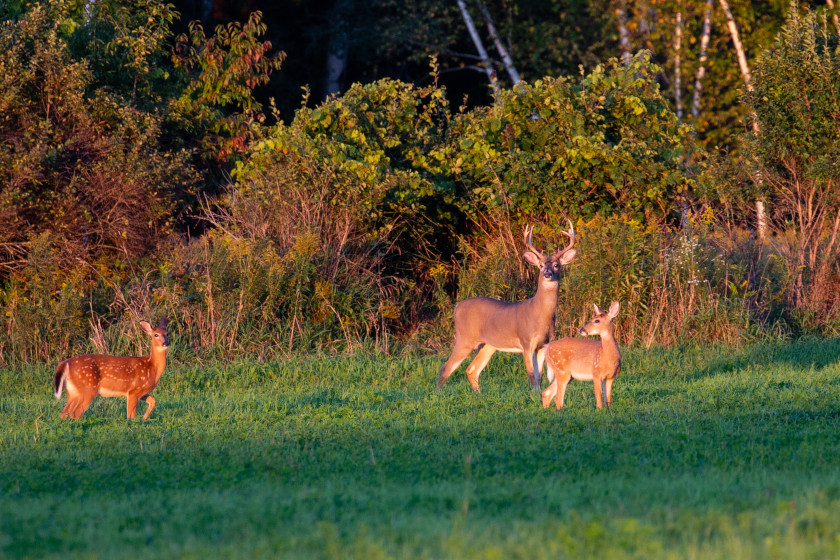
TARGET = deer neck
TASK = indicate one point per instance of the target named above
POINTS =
(609, 347)
(544, 302)
(156, 361)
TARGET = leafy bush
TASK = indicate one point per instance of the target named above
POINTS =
(606, 143)
(795, 99)
(77, 163)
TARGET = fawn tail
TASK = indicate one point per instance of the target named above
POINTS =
(60, 377)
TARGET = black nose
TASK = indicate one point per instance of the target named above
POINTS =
(581, 331)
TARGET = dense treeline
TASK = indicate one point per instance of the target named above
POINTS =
(141, 175)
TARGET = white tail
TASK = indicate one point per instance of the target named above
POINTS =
(598, 361)
(89, 375)
(522, 327)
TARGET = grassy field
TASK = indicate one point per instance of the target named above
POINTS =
(706, 453)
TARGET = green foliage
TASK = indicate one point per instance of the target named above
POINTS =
(75, 161)
(795, 99)
(706, 453)
(41, 307)
(126, 45)
(243, 296)
(375, 139)
(360, 218)
(217, 103)
(609, 142)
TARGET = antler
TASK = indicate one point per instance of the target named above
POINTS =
(573, 239)
(529, 230)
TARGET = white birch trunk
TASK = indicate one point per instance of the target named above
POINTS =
(500, 47)
(736, 42)
(677, 67)
(339, 47)
(834, 16)
(704, 56)
(623, 34)
(760, 210)
(479, 46)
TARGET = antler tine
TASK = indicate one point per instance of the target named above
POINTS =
(572, 239)
(529, 231)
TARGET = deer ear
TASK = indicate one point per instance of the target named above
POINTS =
(164, 322)
(147, 328)
(567, 257)
(531, 258)
(614, 309)
(598, 310)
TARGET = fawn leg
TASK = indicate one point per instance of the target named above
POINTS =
(151, 400)
(598, 400)
(131, 405)
(549, 392)
(560, 399)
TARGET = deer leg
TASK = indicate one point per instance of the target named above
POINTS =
(549, 393)
(131, 405)
(82, 404)
(459, 354)
(76, 406)
(479, 362)
(549, 373)
(598, 400)
(563, 382)
(151, 400)
(533, 369)
(609, 383)
(68, 408)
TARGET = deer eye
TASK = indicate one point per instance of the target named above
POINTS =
(597, 320)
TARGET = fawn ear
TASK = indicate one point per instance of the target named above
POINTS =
(598, 310)
(531, 258)
(614, 309)
(164, 322)
(147, 328)
(567, 257)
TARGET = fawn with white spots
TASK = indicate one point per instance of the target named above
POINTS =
(89, 375)
(598, 361)
(523, 327)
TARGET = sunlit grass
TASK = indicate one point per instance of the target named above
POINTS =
(708, 453)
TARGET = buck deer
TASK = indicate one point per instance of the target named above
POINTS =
(522, 327)
(598, 361)
(113, 376)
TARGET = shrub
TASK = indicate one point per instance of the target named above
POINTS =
(795, 98)
(608, 142)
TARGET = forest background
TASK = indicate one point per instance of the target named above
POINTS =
(333, 175)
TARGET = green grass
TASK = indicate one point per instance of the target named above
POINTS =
(706, 453)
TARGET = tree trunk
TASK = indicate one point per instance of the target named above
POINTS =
(760, 211)
(479, 46)
(207, 10)
(704, 56)
(500, 47)
(736, 42)
(834, 16)
(623, 34)
(677, 68)
(339, 47)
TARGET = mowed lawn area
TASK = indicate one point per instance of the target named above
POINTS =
(706, 453)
